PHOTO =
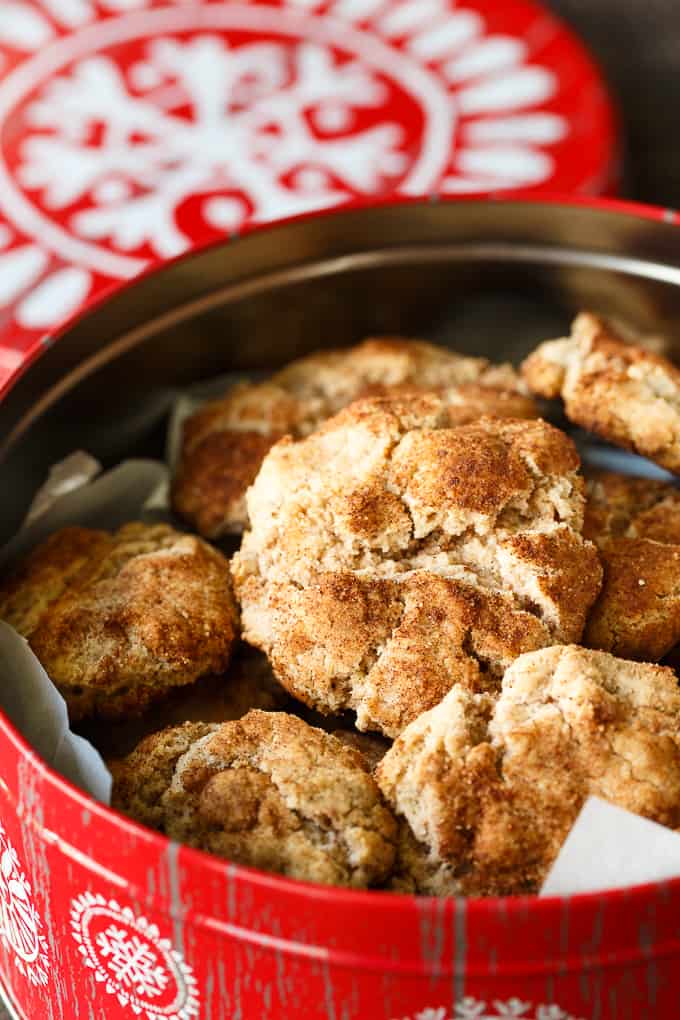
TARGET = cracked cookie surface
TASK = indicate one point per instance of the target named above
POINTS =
(119, 619)
(391, 557)
(622, 392)
(491, 790)
(225, 441)
(267, 791)
(636, 525)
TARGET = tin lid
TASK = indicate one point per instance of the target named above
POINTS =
(132, 130)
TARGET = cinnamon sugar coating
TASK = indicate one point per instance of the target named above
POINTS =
(248, 683)
(267, 791)
(621, 391)
(391, 557)
(490, 790)
(225, 442)
(119, 619)
(636, 525)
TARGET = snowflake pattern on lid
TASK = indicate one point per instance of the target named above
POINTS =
(131, 960)
(263, 141)
(132, 130)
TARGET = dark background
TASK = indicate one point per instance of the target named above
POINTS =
(637, 44)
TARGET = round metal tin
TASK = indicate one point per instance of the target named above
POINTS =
(104, 920)
(133, 130)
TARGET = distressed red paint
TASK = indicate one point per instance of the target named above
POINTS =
(229, 942)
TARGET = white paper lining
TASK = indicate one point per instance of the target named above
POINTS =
(132, 491)
(113, 499)
(610, 848)
(35, 707)
(66, 476)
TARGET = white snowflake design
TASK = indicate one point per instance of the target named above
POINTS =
(476, 1009)
(20, 922)
(144, 129)
(252, 137)
(132, 961)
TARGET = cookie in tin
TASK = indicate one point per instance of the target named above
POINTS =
(623, 392)
(225, 441)
(636, 525)
(118, 620)
(391, 556)
(267, 791)
(489, 790)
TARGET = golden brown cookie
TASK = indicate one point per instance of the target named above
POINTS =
(225, 441)
(622, 392)
(491, 790)
(620, 506)
(636, 525)
(118, 620)
(391, 557)
(267, 791)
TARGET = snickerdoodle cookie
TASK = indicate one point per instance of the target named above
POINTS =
(391, 557)
(636, 525)
(267, 791)
(248, 683)
(119, 619)
(490, 790)
(225, 441)
(624, 393)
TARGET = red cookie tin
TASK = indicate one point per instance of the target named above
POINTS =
(133, 130)
(101, 919)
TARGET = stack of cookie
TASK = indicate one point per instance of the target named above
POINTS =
(430, 597)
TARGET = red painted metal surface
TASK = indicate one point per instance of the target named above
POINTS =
(101, 919)
(104, 920)
(134, 130)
